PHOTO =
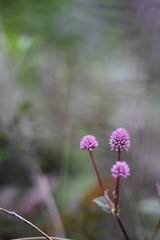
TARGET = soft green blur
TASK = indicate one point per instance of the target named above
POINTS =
(70, 68)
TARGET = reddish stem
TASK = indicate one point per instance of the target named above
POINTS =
(119, 155)
(97, 172)
(116, 197)
(122, 227)
(100, 181)
(105, 195)
(116, 201)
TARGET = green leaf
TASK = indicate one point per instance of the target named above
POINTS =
(101, 202)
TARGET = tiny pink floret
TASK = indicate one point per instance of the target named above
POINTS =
(120, 169)
(119, 140)
(88, 143)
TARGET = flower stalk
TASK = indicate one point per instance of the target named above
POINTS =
(119, 141)
(100, 180)
(116, 196)
(107, 199)
(122, 227)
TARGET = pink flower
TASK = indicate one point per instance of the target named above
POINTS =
(120, 169)
(120, 140)
(88, 143)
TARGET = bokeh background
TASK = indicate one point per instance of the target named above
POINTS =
(70, 68)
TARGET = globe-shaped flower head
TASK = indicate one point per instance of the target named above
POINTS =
(88, 143)
(120, 140)
(120, 169)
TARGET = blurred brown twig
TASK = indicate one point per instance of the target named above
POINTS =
(26, 221)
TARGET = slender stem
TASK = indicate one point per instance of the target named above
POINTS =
(116, 201)
(108, 201)
(100, 181)
(26, 221)
(97, 172)
(105, 195)
(116, 197)
(119, 155)
(122, 227)
(156, 230)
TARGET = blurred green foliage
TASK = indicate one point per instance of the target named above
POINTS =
(21, 109)
(71, 68)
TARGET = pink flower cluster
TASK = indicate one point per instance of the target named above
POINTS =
(120, 140)
(88, 143)
(120, 169)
